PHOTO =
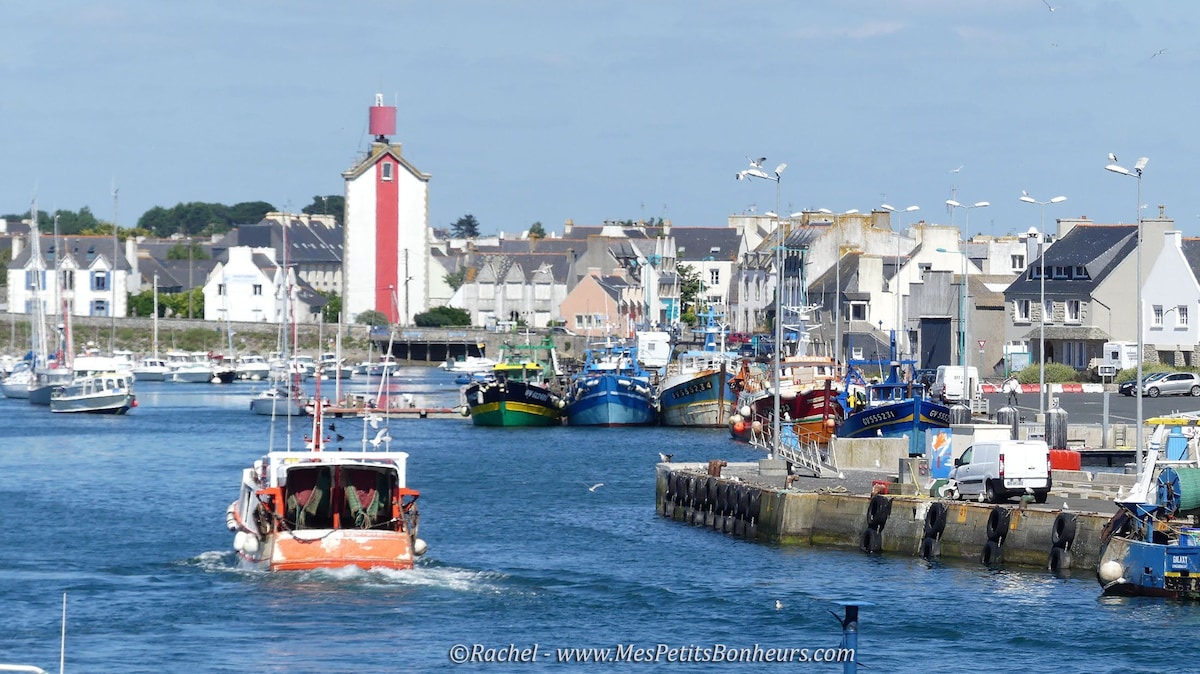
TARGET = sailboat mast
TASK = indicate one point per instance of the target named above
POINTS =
(155, 323)
(112, 281)
(38, 318)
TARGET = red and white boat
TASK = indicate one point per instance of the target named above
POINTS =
(318, 509)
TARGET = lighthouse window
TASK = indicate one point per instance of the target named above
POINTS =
(386, 171)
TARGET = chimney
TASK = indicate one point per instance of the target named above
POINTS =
(567, 226)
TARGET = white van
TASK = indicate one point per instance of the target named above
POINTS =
(1001, 469)
(948, 385)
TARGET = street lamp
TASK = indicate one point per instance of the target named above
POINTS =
(755, 171)
(896, 278)
(837, 283)
(964, 320)
(1042, 331)
(967, 208)
(1136, 173)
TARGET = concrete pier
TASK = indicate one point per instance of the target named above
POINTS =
(735, 499)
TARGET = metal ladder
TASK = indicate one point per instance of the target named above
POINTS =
(802, 453)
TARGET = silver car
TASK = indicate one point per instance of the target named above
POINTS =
(1173, 384)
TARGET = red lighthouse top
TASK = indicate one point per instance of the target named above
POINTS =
(383, 120)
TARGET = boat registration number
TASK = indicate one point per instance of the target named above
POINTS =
(693, 388)
(878, 418)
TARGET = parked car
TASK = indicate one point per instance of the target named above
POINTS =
(738, 338)
(1125, 388)
(1173, 384)
(560, 330)
(1002, 469)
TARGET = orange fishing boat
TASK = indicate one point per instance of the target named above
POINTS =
(316, 509)
(808, 387)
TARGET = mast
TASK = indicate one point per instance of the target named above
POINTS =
(155, 322)
(38, 316)
(112, 309)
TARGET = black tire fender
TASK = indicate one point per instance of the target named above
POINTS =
(871, 541)
(1060, 560)
(722, 498)
(930, 548)
(744, 503)
(878, 511)
(935, 520)
(754, 503)
(992, 554)
(998, 523)
(1063, 532)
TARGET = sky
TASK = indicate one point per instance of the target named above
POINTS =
(528, 111)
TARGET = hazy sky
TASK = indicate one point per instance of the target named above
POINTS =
(546, 110)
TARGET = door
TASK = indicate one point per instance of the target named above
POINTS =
(936, 342)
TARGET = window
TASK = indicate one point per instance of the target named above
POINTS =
(68, 279)
(1072, 311)
(385, 170)
(1156, 319)
(1021, 310)
(1060, 272)
(99, 280)
(714, 277)
(1080, 272)
(99, 307)
(1181, 312)
(1048, 311)
(35, 277)
(257, 288)
(858, 311)
(1018, 262)
(220, 288)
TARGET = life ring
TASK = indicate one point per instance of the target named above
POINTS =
(1063, 532)
(871, 541)
(935, 520)
(930, 548)
(1060, 560)
(877, 511)
(992, 553)
(997, 524)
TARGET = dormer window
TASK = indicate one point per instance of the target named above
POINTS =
(385, 170)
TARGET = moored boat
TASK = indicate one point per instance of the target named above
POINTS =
(808, 390)
(518, 393)
(95, 393)
(695, 389)
(611, 390)
(151, 369)
(316, 509)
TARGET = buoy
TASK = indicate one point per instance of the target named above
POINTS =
(419, 547)
(745, 411)
(239, 540)
(466, 411)
(230, 520)
(249, 543)
(830, 423)
(739, 426)
(756, 426)
(1110, 571)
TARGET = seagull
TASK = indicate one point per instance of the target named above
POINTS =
(757, 163)
(778, 605)
(595, 486)
(1024, 193)
(665, 458)
(1047, 4)
(380, 437)
(1157, 53)
(1065, 506)
(960, 168)
(1112, 157)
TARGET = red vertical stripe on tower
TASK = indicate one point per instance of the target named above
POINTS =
(387, 237)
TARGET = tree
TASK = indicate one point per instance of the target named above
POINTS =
(70, 223)
(689, 286)
(466, 227)
(180, 251)
(331, 312)
(371, 317)
(455, 279)
(332, 204)
(536, 231)
(442, 316)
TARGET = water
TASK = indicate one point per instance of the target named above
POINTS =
(126, 516)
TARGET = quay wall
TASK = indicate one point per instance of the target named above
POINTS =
(685, 493)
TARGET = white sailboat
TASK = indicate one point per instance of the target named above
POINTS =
(47, 372)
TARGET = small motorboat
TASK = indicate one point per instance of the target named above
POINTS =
(100, 393)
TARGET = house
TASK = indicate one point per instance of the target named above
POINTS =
(501, 291)
(314, 245)
(248, 285)
(601, 305)
(88, 282)
(385, 254)
(1171, 298)
(1081, 290)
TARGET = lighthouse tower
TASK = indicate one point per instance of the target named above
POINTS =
(384, 257)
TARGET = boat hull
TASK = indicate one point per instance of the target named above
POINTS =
(192, 376)
(149, 375)
(814, 414)
(698, 399)
(280, 407)
(912, 418)
(1131, 566)
(113, 403)
(334, 548)
(513, 403)
(611, 400)
(17, 389)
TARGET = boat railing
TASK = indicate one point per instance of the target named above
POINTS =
(801, 448)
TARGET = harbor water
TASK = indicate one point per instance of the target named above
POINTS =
(126, 516)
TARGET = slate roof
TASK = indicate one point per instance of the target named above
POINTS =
(309, 242)
(1098, 248)
(696, 243)
(75, 247)
(558, 265)
(1191, 253)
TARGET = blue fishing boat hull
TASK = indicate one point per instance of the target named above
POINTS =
(1163, 567)
(611, 400)
(702, 399)
(911, 417)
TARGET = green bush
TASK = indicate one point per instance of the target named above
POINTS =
(1056, 373)
(442, 316)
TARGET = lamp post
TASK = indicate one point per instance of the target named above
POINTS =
(755, 171)
(896, 278)
(1042, 275)
(1136, 173)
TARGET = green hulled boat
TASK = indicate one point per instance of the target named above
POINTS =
(518, 391)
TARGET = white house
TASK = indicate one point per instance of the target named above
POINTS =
(87, 282)
(1171, 297)
(245, 287)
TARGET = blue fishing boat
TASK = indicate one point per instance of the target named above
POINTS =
(1151, 546)
(893, 408)
(612, 389)
(695, 390)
